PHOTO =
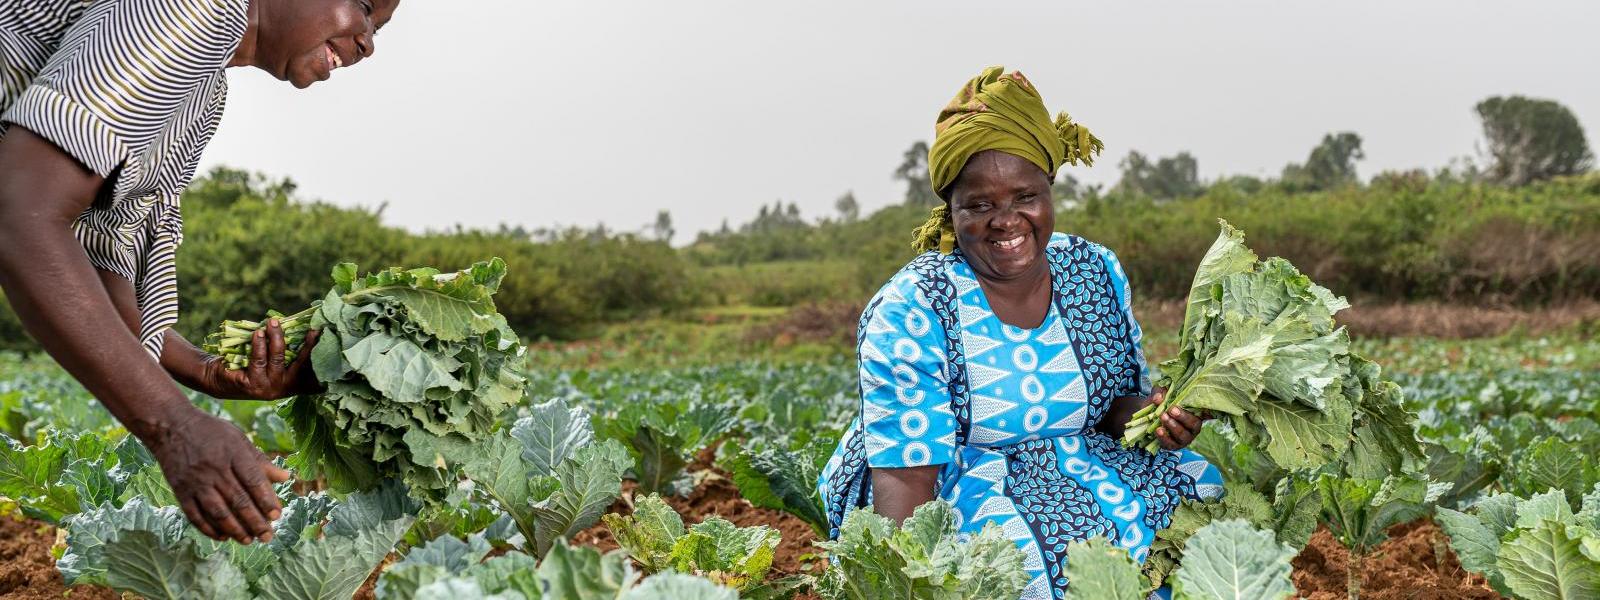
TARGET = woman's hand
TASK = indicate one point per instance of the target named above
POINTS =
(1178, 426)
(222, 481)
(268, 377)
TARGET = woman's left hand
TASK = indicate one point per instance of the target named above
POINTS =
(1178, 426)
(268, 377)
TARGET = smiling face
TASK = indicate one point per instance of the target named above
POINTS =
(1000, 206)
(303, 41)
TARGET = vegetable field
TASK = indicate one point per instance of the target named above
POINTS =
(699, 482)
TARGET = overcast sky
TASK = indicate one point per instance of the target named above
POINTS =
(573, 112)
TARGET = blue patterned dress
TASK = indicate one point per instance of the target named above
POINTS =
(1009, 412)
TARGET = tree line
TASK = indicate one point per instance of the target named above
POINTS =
(1523, 229)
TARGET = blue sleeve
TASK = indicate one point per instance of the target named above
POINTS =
(1139, 383)
(905, 398)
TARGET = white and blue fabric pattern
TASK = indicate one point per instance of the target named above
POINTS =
(1009, 413)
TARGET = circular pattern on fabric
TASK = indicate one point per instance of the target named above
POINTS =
(905, 376)
(1025, 357)
(916, 322)
(913, 423)
(910, 397)
(906, 349)
(1032, 389)
(1015, 334)
(1035, 418)
(1111, 492)
(916, 454)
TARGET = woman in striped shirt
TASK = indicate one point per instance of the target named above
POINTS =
(105, 107)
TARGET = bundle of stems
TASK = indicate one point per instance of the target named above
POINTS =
(1144, 422)
(233, 339)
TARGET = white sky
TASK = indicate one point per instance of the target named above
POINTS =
(573, 112)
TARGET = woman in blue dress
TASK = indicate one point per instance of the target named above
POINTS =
(999, 367)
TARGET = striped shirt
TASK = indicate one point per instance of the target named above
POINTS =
(133, 89)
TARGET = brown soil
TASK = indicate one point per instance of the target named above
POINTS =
(1404, 567)
(28, 572)
(824, 322)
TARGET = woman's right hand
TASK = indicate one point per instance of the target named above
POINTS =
(221, 480)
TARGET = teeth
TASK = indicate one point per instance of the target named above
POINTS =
(1009, 244)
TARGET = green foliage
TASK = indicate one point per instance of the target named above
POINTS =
(405, 354)
(654, 535)
(663, 436)
(783, 480)
(1332, 164)
(1535, 548)
(1232, 559)
(1098, 570)
(551, 483)
(64, 473)
(1168, 178)
(1532, 140)
(1358, 511)
(1259, 348)
(322, 550)
(924, 559)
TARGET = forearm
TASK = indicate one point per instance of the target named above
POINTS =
(896, 493)
(194, 368)
(59, 298)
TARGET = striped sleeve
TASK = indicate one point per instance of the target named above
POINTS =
(122, 75)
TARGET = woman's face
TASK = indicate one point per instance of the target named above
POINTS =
(303, 41)
(1000, 206)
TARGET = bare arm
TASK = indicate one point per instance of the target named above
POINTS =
(63, 303)
(897, 492)
(58, 294)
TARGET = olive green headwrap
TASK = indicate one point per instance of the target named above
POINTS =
(997, 111)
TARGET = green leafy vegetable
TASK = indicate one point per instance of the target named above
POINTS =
(654, 535)
(547, 502)
(1259, 348)
(1098, 570)
(783, 480)
(1536, 548)
(662, 437)
(404, 353)
(322, 550)
(65, 473)
(1231, 559)
(924, 559)
(1359, 510)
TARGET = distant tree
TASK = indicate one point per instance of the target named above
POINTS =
(1243, 183)
(1531, 140)
(1170, 177)
(662, 229)
(1331, 164)
(913, 170)
(849, 210)
(777, 217)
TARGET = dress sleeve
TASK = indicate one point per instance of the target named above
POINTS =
(123, 72)
(1138, 381)
(905, 398)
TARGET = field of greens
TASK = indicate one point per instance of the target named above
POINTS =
(445, 460)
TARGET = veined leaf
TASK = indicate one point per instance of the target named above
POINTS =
(1097, 570)
(590, 480)
(1545, 562)
(1231, 559)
